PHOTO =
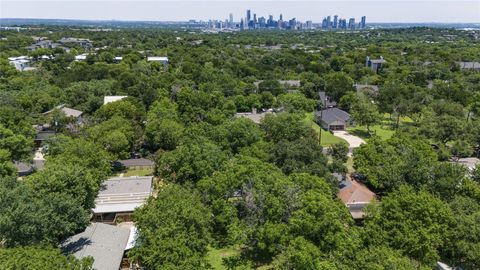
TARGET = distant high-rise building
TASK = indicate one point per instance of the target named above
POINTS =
(230, 20)
(309, 24)
(281, 17)
(335, 21)
(249, 16)
(329, 22)
(351, 23)
(242, 24)
(324, 23)
(363, 22)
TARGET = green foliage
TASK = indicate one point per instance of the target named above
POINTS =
(18, 146)
(173, 229)
(399, 160)
(163, 134)
(41, 258)
(190, 162)
(296, 103)
(285, 126)
(31, 219)
(415, 223)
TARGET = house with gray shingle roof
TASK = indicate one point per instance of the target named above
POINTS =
(469, 65)
(326, 101)
(106, 244)
(333, 119)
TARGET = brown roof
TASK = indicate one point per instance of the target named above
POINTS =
(354, 192)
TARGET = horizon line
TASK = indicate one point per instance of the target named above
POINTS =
(200, 20)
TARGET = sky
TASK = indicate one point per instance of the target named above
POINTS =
(465, 11)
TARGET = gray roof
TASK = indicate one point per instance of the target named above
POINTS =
(122, 194)
(44, 135)
(469, 65)
(105, 243)
(359, 87)
(255, 117)
(326, 101)
(69, 112)
(331, 115)
(136, 162)
(377, 61)
(23, 168)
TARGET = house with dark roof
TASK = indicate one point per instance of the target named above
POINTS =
(137, 163)
(375, 64)
(23, 168)
(106, 244)
(333, 119)
(119, 196)
(326, 101)
(356, 196)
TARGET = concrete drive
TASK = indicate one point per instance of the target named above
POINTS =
(352, 140)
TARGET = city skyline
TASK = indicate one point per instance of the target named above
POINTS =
(159, 10)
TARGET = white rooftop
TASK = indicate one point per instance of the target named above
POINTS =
(157, 58)
(108, 99)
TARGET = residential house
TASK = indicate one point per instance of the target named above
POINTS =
(69, 112)
(161, 59)
(21, 63)
(106, 244)
(137, 163)
(291, 86)
(23, 168)
(375, 64)
(366, 87)
(333, 119)
(81, 42)
(356, 196)
(119, 196)
(469, 65)
(470, 163)
(254, 116)
(109, 99)
(326, 101)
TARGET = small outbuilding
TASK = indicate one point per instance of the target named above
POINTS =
(137, 163)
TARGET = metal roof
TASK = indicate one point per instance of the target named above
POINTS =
(122, 194)
(105, 243)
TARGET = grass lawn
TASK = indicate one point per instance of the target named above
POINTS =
(215, 256)
(385, 130)
(327, 137)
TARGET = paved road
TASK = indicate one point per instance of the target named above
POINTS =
(352, 140)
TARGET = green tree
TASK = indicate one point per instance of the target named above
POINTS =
(286, 126)
(163, 134)
(18, 145)
(190, 161)
(415, 223)
(41, 258)
(365, 112)
(28, 218)
(173, 230)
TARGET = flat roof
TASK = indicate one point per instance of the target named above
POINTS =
(105, 243)
(108, 99)
(122, 194)
(157, 58)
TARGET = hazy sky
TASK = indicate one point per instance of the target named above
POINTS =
(162, 10)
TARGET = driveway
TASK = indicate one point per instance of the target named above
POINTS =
(352, 140)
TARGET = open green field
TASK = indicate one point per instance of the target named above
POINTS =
(327, 137)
